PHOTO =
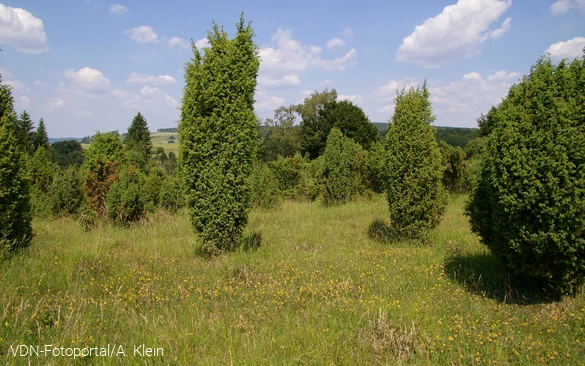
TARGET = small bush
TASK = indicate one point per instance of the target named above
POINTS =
(264, 191)
(66, 192)
(375, 159)
(288, 173)
(125, 201)
(343, 160)
(171, 194)
(152, 187)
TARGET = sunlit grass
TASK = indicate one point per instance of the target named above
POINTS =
(318, 290)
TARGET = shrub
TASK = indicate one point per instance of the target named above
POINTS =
(454, 178)
(42, 168)
(66, 192)
(414, 168)
(375, 159)
(15, 210)
(100, 169)
(152, 187)
(125, 201)
(343, 160)
(264, 191)
(218, 136)
(288, 173)
(171, 194)
(529, 205)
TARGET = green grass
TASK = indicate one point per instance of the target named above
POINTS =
(323, 288)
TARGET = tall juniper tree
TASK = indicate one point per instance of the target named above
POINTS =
(15, 213)
(414, 168)
(218, 136)
(529, 204)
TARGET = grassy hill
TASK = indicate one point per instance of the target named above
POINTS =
(323, 288)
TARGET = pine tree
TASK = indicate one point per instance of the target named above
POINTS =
(25, 132)
(414, 167)
(40, 137)
(15, 213)
(218, 136)
(138, 137)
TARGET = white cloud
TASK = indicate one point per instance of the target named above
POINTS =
(388, 91)
(265, 102)
(118, 9)
(17, 86)
(55, 103)
(88, 80)
(325, 83)
(563, 6)
(289, 55)
(306, 93)
(336, 42)
(569, 49)
(39, 84)
(22, 102)
(143, 34)
(156, 94)
(22, 30)
(348, 32)
(202, 43)
(457, 32)
(351, 98)
(463, 101)
(178, 42)
(499, 33)
(136, 78)
(286, 81)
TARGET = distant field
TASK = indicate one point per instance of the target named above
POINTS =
(161, 139)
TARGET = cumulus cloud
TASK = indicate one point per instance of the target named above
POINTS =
(325, 83)
(563, 6)
(17, 86)
(289, 80)
(336, 42)
(136, 78)
(39, 84)
(88, 80)
(118, 9)
(142, 34)
(289, 55)
(569, 49)
(155, 93)
(178, 42)
(350, 98)
(22, 30)
(348, 32)
(202, 43)
(266, 102)
(457, 32)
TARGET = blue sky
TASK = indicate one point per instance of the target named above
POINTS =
(89, 65)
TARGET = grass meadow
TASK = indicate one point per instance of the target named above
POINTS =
(326, 287)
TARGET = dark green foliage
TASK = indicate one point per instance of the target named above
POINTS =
(454, 178)
(40, 137)
(171, 194)
(217, 136)
(152, 185)
(66, 192)
(171, 164)
(264, 188)
(15, 212)
(455, 136)
(25, 132)
(414, 168)
(138, 140)
(344, 115)
(529, 205)
(42, 168)
(100, 169)
(288, 173)
(313, 137)
(125, 198)
(487, 122)
(68, 153)
(343, 160)
(374, 169)
(280, 137)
